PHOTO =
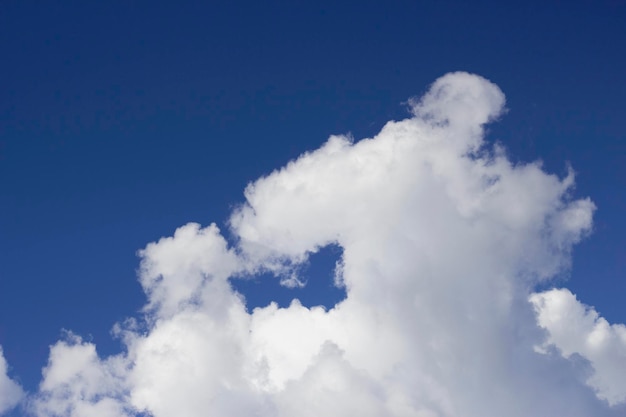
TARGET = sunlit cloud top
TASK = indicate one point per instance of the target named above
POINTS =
(444, 243)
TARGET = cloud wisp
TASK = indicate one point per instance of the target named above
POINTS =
(444, 241)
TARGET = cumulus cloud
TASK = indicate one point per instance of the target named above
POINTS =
(575, 329)
(10, 392)
(76, 382)
(443, 239)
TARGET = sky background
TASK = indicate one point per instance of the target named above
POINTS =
(121, 121)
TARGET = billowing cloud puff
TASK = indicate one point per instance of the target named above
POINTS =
(77, 383)
(577, 329)
(444, 241)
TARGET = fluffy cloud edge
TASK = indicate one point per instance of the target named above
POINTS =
(574, 328)
(11, 393)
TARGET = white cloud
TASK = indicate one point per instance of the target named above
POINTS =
(443, 239)
(577, 329)
(77, 383)
(10, 392)
(176, 271)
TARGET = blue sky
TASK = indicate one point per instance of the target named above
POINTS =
(122, 121)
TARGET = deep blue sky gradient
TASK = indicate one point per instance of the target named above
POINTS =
(121, 121)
